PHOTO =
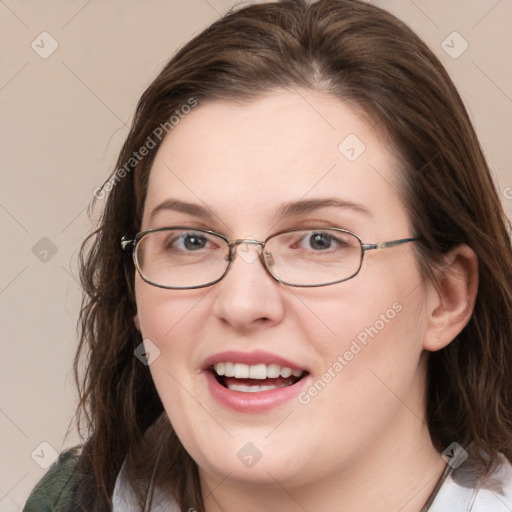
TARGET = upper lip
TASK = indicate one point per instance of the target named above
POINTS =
(250, 358)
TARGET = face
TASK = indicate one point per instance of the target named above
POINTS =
(247, 171)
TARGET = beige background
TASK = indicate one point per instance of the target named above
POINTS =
(63, 120)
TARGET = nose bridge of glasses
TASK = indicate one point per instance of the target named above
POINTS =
(233, 244)
(248, 255)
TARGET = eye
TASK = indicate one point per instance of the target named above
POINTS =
(188, 242)
(321, 241)
(193, 242)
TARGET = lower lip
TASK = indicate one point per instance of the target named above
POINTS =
(259, 401)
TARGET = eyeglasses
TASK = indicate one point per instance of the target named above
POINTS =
(184, 258)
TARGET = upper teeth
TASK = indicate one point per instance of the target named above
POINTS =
(257, 371)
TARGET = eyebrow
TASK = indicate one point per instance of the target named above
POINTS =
(303, 207)
(174, 205)
(287, 210)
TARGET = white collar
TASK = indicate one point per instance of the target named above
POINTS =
(124, 498)
(463, 491)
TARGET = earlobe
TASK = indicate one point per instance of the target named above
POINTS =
(455, 294)
(136, 321)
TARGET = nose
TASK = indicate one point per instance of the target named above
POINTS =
(248, 297)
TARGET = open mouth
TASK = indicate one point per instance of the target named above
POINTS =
(255, 378)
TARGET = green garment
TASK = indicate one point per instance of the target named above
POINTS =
(54, 492)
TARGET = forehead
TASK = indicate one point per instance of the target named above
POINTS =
(279, 148)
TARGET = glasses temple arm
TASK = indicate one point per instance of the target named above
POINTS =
(384, 245)
(127, 243)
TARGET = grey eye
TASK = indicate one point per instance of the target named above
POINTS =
(320, 241)
(193, 242)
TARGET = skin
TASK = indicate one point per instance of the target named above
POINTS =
(362, 442)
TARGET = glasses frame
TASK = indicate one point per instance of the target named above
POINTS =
(129, 245)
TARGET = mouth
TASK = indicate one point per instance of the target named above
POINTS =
(256, 378)
(253, 382)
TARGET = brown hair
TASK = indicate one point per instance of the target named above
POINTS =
(361, 55)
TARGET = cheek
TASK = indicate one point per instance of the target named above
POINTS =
(373, 358)
(164, 313)
(176, 322)
(170, 323)
(169, 320)
(373, 321)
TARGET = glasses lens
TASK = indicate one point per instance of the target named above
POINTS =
(181, 258)
(314, 257)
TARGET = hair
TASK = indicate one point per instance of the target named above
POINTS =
(365, 57)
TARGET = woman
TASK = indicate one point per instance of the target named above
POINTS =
(299, 296)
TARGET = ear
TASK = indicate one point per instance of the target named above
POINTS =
(136, 321)
(452, 298)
